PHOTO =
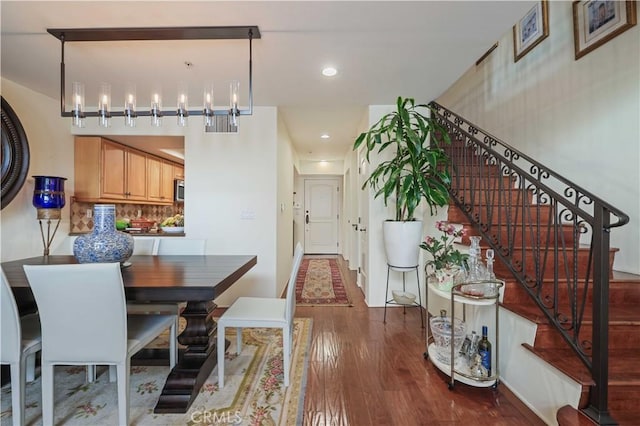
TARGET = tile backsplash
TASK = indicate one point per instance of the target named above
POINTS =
(81, 223)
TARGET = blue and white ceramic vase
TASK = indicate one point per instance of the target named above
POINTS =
(105, 243)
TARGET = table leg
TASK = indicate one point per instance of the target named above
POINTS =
(195, 363)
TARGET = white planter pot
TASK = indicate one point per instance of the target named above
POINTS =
(402, 243)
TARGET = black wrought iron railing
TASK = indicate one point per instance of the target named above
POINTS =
(551, 235)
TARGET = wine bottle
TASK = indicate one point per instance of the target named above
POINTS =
(484, 349)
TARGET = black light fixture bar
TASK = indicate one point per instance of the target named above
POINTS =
(161, 33)
(149, 34)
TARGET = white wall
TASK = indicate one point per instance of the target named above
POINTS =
(284, 235)
(580, 118)
(51, 152)
(329, 167)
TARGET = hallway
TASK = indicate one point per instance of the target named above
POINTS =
(363, 372)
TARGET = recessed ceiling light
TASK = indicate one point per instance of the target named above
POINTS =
(329, 71)
(324, 136)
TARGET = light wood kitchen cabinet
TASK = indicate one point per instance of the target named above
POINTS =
(167, 181)
(123, 172)
(109, 171)
(178, 171)
(160, 180)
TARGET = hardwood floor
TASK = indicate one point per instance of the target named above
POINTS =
(365, 372)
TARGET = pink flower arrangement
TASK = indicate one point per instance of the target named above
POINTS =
(442, 249)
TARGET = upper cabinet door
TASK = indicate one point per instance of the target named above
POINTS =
(114, 161)
(178, 171)
(136, 176)
(167, 182)
(154, 179)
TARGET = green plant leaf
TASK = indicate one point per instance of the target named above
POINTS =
(418, 171)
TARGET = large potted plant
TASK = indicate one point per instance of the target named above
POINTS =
(416, 172)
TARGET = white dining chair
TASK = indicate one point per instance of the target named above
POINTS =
(20, 343)
(257, 312)
(144, 245)
(78, 331)
(180, 246)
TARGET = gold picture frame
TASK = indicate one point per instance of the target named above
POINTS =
(529, 31)
(595, 22)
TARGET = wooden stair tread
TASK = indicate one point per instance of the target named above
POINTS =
(569, 416)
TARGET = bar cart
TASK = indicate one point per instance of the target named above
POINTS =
(484, 293)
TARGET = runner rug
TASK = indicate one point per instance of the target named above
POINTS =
(253, 393)
(319, 283)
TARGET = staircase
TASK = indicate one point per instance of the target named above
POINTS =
(556, 263)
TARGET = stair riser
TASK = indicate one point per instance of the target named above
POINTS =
(532, 235)
(511, 197)
(500, 214)
(623, 293)
(620, 336)
(565, 266)
(482, 182)
(624, 398)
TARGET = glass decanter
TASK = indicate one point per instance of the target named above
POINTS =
(477, 270)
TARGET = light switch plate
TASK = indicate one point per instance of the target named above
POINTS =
(247, 214)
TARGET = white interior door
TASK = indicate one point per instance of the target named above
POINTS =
(363, 225)
(321, 215)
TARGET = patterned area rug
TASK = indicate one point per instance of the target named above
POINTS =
(319, 282)
(253, 393)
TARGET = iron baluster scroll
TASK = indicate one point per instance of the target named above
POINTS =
(520, 205)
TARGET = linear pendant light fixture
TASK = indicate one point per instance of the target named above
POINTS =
(214, 120)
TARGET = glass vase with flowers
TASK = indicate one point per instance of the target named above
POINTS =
(448, 264)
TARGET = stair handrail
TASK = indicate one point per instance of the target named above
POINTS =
(623, 218)
(529, 177)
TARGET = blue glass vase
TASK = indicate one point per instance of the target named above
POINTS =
(48, 192)
(104, 243)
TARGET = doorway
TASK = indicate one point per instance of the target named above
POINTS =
(321, 215)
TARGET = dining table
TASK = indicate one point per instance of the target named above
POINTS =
(196, 280)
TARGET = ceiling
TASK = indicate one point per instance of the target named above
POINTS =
(381, 49)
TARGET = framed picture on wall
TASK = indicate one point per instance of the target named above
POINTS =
(595, 22)
(529, 31)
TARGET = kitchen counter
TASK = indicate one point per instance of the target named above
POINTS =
(138, 234)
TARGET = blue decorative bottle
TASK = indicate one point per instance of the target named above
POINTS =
(105, 243)
(48, 194)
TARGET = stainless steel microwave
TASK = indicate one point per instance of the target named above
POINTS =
(178, 191)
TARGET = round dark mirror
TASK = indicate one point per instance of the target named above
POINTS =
(15, 154)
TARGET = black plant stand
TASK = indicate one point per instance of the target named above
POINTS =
(392, 301)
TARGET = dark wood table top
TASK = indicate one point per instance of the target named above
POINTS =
(159, 278)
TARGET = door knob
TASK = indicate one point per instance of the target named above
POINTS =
(306, 218)
(363, 229)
